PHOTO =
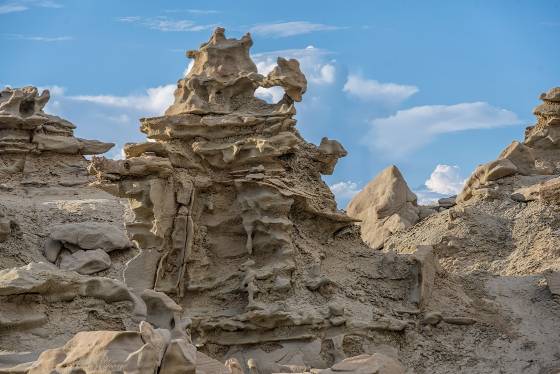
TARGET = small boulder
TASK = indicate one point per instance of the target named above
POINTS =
(91, 235)
(86, 262)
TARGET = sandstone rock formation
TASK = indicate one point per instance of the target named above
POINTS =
(234, 222)
(384, 206)
(25, 128)
(536, 157)
(240, 261)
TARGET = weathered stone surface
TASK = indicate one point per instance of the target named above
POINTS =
(537, 155)
(90, 235)
(367, 364)
(224, 199)
(25, 128)
(384, 206)
(86, 262)
(553, 281)
(146, 351)
(46, 279)
(5, 226)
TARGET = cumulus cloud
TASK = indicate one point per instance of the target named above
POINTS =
(284, 29)
(326, 75)
(153, 102)
(271, 95)
(445, 180)
(344, 190)
(410, 129)
(374, 91)
(314, 62)
(163, 23)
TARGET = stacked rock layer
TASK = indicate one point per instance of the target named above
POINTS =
(234, 222)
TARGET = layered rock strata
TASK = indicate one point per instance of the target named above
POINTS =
(234, 222)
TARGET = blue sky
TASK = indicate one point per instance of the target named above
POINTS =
(416, 84)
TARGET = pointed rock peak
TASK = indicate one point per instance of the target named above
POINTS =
(386, 192)
(384, 206)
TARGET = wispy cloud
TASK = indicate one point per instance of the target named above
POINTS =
(413, 128)
(193, 11)
(153, 102)
(46, 39)
(284, 29)
(23, 5)
(374, 91)
(12, 8)
(163, 23)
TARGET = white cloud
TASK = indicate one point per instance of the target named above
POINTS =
(12, 8)
(23, 5)
(372, 90)
(153, 102)
(313, 62)
(410, 129)
(326, 75)
(47, 39)
(163, 23)
(445, 180)
(54, 90)
(193, 11)
(284, 29)
(271, 95)
(344, 190)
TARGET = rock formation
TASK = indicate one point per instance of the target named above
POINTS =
(384, 206)
(536, 159)
(237, 259)
(234, 222)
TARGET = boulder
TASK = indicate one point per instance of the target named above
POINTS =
(90, 235)
(384, 206)
(86, 262)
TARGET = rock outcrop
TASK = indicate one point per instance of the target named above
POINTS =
(536, 157)
(384, 206)
(234, 222)
(32, 142)
(25, 128)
